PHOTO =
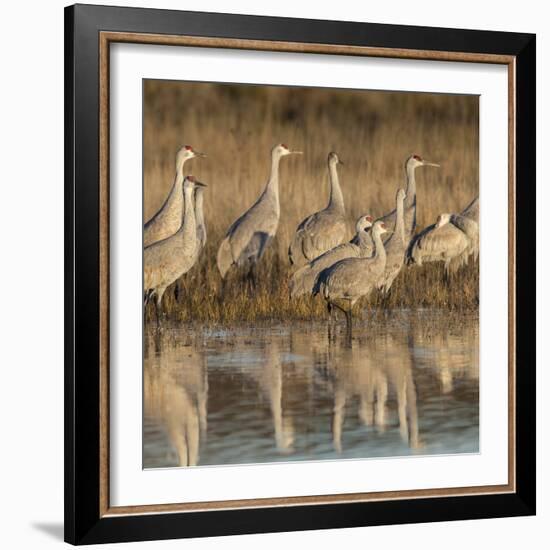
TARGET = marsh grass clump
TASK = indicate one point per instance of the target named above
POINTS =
(372, 132)
(200, 297)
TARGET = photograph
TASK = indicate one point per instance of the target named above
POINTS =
(310, 274)
(299, 271)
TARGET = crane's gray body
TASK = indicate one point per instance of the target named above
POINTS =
(168, 219)
(323, 230)
(396, 246)
(167, 260)
(304, 281)
(248, 237)
(438, 244)
(453, 240)
(345, 282)
(470, 228)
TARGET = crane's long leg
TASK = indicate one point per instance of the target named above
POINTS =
(157, 341)
(339, 412)
(331, 321)
(146, 295)
(158, 304)
(348, 325)
(252, 276)
(157, 313)
(223, 288)
(386, 297)
(147, 298)
(447, 275)
(333, 317)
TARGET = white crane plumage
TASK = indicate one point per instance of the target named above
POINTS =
(324, 229)
(166, 261)
(396, 245)
(169, 218)
(342, 284)
(305, 279)
(247, 238)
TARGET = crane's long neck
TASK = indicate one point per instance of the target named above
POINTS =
(411, 186)
(365, 240)
(399, 226)
(178, 180)
(336, 200)
(199, 214)
(188, 227)
(379, 250)
(272, 187)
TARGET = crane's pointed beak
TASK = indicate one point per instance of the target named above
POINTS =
(200, 184)
(340, 162)
(426, 163)
(296, 153)
(198, 154)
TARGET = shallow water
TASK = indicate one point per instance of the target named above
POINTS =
(406, 385)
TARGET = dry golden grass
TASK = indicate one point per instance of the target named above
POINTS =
(373, 133)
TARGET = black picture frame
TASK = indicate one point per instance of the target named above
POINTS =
(83, 521)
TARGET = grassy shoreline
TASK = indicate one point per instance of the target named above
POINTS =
(199, 297)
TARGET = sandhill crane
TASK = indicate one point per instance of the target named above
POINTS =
(443, 241)
(304, 280)
(411, 165)
(167, 260)
(470, 228)
(342, 284)
(396, 245)
(247, 238)
(324, 229)
(199, 217)
(168, 219)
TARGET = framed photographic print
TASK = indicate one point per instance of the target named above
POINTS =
(299, 274)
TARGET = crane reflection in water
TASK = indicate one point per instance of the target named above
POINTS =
(283, 393)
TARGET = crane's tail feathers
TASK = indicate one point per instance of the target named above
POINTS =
(224, 258)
